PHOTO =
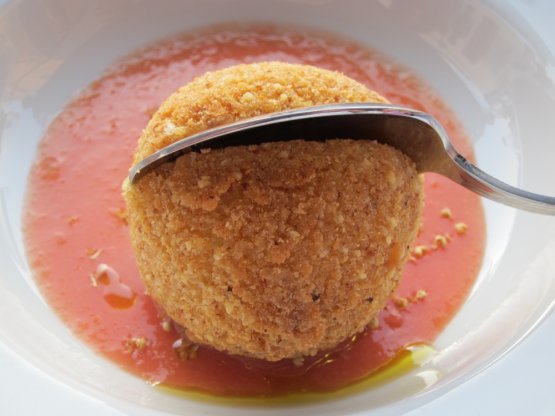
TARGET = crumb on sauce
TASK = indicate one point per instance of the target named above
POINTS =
(401, 302)
(72, 219)
(166, 325)
(120, 214)
(421, 294)
(133, 344)
(420, 250)
(461, 228)
(440, 241)
(185, 349)
(374, 323)
(446, 213)
(298, 361)
(93, 253)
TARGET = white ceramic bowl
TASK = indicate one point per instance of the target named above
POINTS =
(487, 64)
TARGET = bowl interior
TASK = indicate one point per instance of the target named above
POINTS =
(484, 62)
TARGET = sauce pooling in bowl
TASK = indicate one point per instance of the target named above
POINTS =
(79, 249)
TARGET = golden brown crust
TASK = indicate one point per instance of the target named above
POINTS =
(244, 91)
(277, 250)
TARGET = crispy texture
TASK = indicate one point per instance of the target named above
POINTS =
(277, 250)
(244, 91)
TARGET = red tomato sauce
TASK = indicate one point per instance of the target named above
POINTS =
(79, 249)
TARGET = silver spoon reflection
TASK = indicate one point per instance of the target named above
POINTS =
(417, 134)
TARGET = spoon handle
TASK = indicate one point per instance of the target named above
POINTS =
(446, 161)
(473, 178)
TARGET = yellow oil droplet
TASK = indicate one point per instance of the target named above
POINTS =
(407, 360)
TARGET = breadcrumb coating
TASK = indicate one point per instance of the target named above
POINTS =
(244, 91)
(277, 250)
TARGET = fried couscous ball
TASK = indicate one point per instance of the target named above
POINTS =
(277, 250)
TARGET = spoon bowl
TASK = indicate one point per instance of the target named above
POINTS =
(417, 134)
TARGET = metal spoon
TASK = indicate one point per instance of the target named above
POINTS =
(417, 134)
